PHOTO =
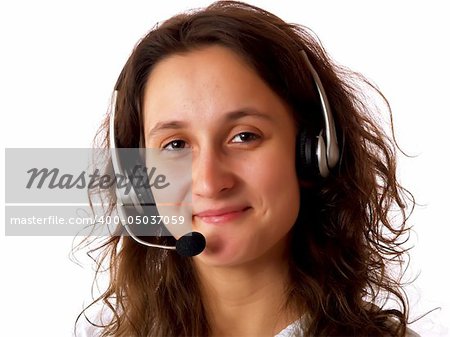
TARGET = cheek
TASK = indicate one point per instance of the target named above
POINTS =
(274, 181)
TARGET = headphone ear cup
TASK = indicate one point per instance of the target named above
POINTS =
(143, 209)
(306, 156)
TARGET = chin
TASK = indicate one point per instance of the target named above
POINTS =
(221, 254)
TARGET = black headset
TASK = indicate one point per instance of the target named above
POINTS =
(316, 156)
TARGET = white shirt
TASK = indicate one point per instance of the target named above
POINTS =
(291, 330)
(85, 329)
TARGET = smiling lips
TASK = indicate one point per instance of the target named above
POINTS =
(221, 216)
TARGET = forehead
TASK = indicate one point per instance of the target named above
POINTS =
(201, 74)
(207, 82)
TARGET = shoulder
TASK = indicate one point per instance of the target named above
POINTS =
(411, 333)
(85, 328)
(294, 330)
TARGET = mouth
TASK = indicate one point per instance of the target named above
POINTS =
(222, 216)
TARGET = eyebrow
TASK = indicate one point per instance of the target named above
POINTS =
(229, 117)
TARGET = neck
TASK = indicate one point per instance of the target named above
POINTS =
(249, 299)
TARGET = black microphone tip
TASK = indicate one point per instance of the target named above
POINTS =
(191, 244)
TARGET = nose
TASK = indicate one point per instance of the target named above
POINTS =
(212, 174)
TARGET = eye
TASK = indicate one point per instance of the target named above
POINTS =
(175, 145)
(245, 137)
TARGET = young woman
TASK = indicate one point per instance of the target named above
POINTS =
(293, 183)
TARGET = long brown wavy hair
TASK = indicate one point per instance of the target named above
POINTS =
(351, 230)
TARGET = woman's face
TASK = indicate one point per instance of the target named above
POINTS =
(245, 192)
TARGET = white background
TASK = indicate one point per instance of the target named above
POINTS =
(60, 59)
